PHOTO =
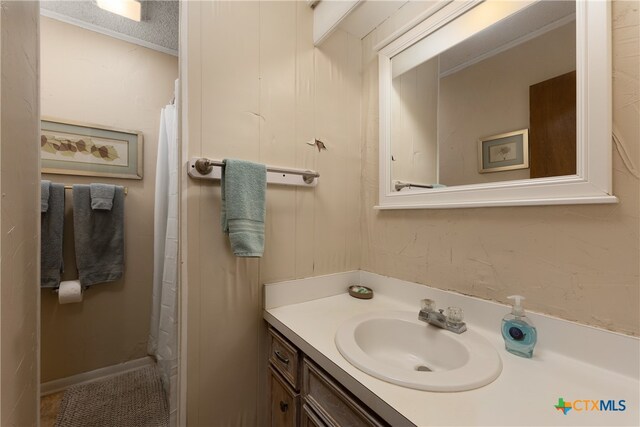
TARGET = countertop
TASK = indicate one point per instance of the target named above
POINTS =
(524, 394)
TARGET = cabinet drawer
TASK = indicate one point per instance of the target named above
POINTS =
(284, 402)
(309, 418)
(333, 405)
(285, 358)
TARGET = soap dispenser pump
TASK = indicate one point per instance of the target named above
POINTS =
(519, 334)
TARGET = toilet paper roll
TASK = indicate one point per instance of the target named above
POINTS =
(70, 291)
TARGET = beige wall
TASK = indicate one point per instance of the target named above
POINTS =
(575, 262)
(414, 124)
(492, 97)
(258, 90)
(93, 78)
(20, 221)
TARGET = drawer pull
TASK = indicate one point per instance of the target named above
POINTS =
(282, 358)
(284, 406)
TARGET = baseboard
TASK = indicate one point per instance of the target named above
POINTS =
(98, 374)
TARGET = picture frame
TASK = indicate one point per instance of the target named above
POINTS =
(503, 152)
(83, 149)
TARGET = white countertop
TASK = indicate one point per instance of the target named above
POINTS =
(524, 394)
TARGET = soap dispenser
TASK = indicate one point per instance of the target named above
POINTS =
(519, 334)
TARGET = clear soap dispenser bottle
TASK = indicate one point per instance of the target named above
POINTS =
(519, 334)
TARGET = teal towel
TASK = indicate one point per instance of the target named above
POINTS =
(243, 186)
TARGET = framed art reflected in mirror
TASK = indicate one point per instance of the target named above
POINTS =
(507, 151)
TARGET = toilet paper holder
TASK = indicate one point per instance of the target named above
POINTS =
(56, 290)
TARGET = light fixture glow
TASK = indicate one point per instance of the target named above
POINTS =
(130, 9)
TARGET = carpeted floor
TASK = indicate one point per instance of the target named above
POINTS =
(133, 399)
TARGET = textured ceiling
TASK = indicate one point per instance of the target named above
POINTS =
(159, 26)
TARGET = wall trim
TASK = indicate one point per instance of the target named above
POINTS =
(415, 22)
(91, 376)
(183, 143)
(95, 28)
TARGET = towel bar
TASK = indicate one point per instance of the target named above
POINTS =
(202, 168)
(399, 185)
(70, 187)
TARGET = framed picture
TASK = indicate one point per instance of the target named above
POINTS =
(72, 148)
(507, 151)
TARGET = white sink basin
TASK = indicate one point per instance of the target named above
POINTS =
(396, 347)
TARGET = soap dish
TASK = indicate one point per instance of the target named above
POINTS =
(360, 292)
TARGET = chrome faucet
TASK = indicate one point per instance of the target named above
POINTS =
(452, 321)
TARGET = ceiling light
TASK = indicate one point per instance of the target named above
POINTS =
(130, 9)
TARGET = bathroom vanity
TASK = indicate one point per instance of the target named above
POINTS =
(302, 393)
(311, 383)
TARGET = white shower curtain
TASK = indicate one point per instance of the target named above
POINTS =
(163, 337)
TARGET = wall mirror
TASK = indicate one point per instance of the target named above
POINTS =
(485, 104)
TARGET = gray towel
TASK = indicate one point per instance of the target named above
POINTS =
(243, 186)
(52, 228)
(99, 237)
(102, 196)
(44, 195)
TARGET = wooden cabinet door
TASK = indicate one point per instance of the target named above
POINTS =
(284, 357)
(552, 126)
(310, 418)
(284, 402)
(331, 403)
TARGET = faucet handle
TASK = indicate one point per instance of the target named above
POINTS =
(428, 304)
(455, 315)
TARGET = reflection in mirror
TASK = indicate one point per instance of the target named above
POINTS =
(498, 106)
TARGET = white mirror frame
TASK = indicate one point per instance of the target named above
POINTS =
(591, 184)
